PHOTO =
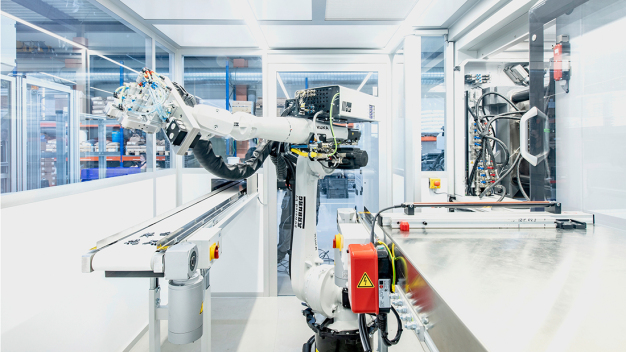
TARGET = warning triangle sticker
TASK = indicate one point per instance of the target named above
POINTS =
(365, 282)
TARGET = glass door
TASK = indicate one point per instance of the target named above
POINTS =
(8, 169)
(343, 188)
(45, 132)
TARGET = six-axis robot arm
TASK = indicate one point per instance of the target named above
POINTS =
(308, 142)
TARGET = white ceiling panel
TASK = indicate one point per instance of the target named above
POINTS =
(188, 9)
(209, 35)
(282, 10)
(328, 36)
(368, 9)
(439, 12)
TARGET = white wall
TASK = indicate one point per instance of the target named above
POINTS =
(239, 270)
(196, 182)
(47, 303)
(590, 119)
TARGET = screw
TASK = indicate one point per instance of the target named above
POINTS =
(424, 320)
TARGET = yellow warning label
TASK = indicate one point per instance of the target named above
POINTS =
(365, 282)
(202, 308)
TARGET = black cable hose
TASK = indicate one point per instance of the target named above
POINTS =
(497, 94)
(490, 153)
(396, 339)
(203, 151)
(372, 235)
(501, 178)
(281, 166)
(309, 344)
(292, 168)
(505, 149)
(365, 341)
(473, 172)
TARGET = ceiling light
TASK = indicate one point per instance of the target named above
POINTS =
(63, 39)
(42, 30)
(282, 85)
(247, 13)
(102, 90)
(369, 74)
(117, 63)
(57, 77)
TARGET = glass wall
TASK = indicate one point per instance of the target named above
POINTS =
(433, 104)
(55, 132)
(232, 83)
(342, 188)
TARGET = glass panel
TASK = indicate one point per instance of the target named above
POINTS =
(233, 83)
(47, 113)
(163, 60)
(7, 138)
(104, 149)
(341, 189)
(586, 90)
(433, 104)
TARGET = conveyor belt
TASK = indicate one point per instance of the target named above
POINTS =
(133, 250)
(518, 289)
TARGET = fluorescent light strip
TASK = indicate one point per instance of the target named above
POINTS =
(62, 38)
(42, 30)
(282, 85)
(57, 77)
(102, 90)
(369, 74)
(117, 63)
(253, 25)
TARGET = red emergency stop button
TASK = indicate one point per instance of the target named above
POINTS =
(216, 255)
(437, 183)
(404, 226)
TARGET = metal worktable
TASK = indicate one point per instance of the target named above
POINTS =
(517, 290)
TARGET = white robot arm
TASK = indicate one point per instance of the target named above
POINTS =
(154, 102)
(320, 137)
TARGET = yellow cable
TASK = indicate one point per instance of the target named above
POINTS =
(301, 153)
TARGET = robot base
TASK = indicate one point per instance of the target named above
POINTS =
(346, 341)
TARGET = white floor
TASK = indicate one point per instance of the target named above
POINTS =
(259, 325)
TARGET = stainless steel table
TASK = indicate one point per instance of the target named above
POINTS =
(518, 290)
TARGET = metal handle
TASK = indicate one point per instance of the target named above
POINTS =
(523, 137)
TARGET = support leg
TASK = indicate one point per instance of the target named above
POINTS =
(154, 326)
(205, 340)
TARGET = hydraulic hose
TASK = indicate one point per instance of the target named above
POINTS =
(203, 151)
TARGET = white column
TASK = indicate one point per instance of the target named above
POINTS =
(413, 118)
(449, 117)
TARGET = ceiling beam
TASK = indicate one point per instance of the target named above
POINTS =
(49, 12)
(407, 26)
(89, 27)
(197, 22)
(318, 10)
(477, 14)
(493, 24)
